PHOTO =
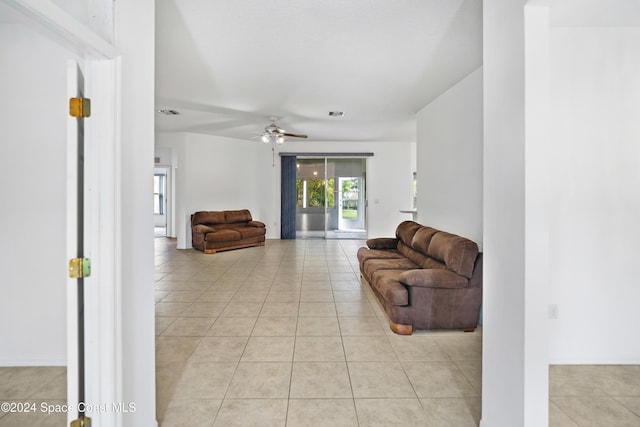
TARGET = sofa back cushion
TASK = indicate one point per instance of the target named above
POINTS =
(422, 238)
(418, 250)
(208, 217)
(406, 230)
(416, 257)
(413, 241)
(457, 253)
(242, 215)
(431, 248)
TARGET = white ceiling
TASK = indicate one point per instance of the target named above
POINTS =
(227, 66)
(592, 13)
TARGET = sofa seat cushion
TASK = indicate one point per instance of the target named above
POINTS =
(365, 254)
(373, 265)
(223, 236)
(433, 278)
(388, 285)
(250, 231)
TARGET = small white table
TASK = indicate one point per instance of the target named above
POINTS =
(413, 212)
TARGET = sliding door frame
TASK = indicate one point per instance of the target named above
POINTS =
(288, 179)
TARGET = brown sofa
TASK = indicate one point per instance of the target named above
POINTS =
(425, 278)
(214, 231)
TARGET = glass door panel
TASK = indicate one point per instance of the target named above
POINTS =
(312, 198)
(347, 219)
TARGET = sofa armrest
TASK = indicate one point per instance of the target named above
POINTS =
(433, 278)
(256, 224)
(201, 228)
(383, 243)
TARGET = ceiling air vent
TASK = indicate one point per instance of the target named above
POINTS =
(336, 113)
(169, 112)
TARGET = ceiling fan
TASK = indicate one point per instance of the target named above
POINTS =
(274, 133)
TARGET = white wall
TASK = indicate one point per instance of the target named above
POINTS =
(595, 197)
(536, 242)
(588, 182)
(95, 14)
(229, 174)
(135, 37)
(163, 154)
(215, 173)
(449, 158)
(505, 397)
(33, 107)
(170, 147)
(389, 179)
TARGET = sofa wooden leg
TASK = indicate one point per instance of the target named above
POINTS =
(209, 251)
(401, 329)
(469, 329)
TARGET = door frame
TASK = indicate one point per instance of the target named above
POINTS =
(326, 157)
(103, 352)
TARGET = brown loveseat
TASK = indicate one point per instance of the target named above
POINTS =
(214, 231)
(425, 278)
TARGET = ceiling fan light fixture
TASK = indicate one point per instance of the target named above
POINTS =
(276, 135)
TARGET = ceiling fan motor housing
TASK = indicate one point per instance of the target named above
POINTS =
(274, 133)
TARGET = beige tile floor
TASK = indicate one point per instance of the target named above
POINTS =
(287, 335)
(33, 386)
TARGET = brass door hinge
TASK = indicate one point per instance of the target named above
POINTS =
(81, 422)
(79, 268)
(79, 107)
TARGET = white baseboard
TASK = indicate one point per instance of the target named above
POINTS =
(594, 361)
(8, 363)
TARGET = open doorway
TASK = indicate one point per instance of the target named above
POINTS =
(160, 201)
(350, 204)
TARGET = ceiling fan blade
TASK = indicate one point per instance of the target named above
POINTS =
(294, 135)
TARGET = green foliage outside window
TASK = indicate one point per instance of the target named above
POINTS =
(316, 193)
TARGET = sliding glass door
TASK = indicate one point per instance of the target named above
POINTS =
(311, 198)
(330, 198)
(350, 211)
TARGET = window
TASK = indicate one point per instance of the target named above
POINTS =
(310, 193)
(158, 193)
